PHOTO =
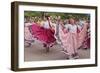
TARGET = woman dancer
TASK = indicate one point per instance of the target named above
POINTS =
(44, 33)
(86, 43)
(71, 38)
(57, 29)
(27, 35)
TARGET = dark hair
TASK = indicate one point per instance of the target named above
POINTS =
(47, 16)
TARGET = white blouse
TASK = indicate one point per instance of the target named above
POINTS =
(46, 25)
(72, 28)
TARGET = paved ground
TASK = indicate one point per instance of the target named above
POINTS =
(36, 52)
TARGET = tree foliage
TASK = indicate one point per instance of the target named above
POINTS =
(54, 14)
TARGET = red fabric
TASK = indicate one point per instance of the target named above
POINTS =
(43, 34)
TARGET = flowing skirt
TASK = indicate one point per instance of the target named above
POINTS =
(27, 35)
(82, 36)
(42, 34)
(69, 42)
(86, 43)
(72, 41)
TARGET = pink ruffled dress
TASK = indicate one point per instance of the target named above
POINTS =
(28, 38)
(72, 39)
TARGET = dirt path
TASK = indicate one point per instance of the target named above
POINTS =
(36, 52)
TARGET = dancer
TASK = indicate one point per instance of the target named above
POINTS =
(44, 33)
(86, 43)
(58, 41)
(71, 39)
(27, 35)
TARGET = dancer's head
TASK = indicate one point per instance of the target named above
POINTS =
(72, 21)
(67, 21)
(47, 17)
(77, 21)
(58, 17)
(61, 22)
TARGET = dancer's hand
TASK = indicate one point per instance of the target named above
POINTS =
(65, 30)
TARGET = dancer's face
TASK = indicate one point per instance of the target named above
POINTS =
(59, 17)
(61, 22)
(48, 18)
(72, 21)
(67, 21)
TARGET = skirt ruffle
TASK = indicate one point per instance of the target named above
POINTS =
(42, 34)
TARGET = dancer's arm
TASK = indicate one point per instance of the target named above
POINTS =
(67, 27)
(79, 28)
